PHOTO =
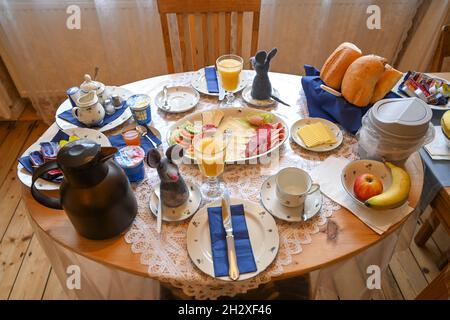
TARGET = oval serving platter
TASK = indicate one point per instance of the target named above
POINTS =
(232, 116)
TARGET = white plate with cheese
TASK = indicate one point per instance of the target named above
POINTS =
(318, 134)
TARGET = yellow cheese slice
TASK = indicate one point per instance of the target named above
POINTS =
(316, 134)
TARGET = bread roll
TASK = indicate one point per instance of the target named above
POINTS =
(337, 63)
(387, 81)
(361, 78)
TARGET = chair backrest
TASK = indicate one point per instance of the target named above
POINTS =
(188, 10)
(442, 50)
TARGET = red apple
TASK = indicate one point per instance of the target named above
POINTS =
(366, 186)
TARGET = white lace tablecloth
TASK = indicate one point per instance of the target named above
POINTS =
(166, 255)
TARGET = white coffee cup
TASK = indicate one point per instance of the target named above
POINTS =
(293, 185)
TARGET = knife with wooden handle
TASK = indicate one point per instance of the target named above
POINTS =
(233, 270)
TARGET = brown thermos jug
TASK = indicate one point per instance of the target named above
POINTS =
(95, 192)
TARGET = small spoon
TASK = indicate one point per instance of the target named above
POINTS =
(143, 131)
(165, 106)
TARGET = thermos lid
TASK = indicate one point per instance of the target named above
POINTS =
(407, 117)
(78, 153)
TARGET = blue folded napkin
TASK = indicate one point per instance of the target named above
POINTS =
(322, 104)
(244, 252)
(117, 141)
(211, 80)
(67, 115)
(25, 160)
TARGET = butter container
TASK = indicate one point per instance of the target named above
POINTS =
(140, 108)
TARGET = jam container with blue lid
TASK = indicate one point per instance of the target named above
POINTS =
(131, 160)
(140, 108)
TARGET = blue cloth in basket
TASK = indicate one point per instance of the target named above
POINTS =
(322, 104)
(244, 253)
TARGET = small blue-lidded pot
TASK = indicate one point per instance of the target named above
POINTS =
(131, 160)
(140, 108)
(73, 93)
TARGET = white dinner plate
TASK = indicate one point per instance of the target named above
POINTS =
(262, 230)
(441, 107)
(199, 82)
(247, 96)
(324, 147)
(312, 206)
(179, 99)
(25, 177)
(122, 92)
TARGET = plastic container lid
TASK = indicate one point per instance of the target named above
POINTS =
(138, 101)
(408, 117)
(130, 156)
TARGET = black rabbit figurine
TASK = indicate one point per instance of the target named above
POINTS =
(261, 87)
(174, 191)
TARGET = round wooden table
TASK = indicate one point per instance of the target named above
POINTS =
(353, 235)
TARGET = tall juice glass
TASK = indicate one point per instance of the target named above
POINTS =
(229, 68)
(210, 151)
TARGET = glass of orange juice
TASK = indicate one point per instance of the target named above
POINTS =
(210, 152)
(131, 137)
(229, 68)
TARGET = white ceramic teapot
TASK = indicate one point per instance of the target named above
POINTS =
(91, 85)
(89, 111)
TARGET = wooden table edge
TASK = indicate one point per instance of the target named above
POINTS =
(142, 269)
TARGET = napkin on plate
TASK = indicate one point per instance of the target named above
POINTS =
(25, 160)
(328, 175)
(117, 141)
(244, 252)
(322, 104)
(211, 80)
(438, 149)
(67, 115)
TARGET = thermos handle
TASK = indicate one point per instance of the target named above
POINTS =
(51, 202)
(75, 112)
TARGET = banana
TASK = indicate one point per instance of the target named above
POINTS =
(445, 123)
(396, 194)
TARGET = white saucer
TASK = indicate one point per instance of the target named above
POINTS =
(182, 212)
(179, 99)
(313, 204)
(324, 147)
(247, 96)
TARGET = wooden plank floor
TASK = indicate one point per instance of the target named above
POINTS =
(25, 272)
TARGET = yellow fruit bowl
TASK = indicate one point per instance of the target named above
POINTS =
(359, 167)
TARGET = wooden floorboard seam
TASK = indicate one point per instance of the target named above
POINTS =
(21, 263)
(46, 283)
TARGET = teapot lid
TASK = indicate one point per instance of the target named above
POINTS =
(78, 153)
(91, 85)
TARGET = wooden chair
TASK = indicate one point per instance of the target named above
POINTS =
(442, 50)
(187, 10)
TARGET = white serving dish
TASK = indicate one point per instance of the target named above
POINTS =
(66, 105)
(231, 112)
(358, 167)
(84, 133)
